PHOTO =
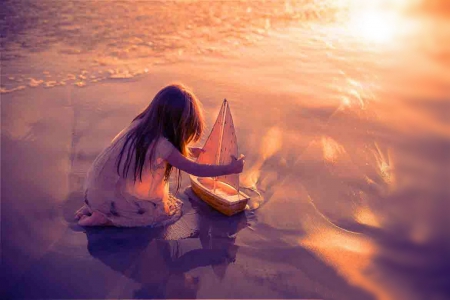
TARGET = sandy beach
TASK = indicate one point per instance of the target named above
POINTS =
(345, 133)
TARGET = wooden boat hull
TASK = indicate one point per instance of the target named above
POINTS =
(228, 205)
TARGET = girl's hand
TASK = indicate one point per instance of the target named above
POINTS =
(237, 164)
(182, 163)
(196, 151)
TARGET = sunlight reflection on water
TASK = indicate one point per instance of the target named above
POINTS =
(122, 41)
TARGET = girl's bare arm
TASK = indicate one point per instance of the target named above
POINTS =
(180, 162)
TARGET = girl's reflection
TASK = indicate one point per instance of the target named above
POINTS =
(160, 265)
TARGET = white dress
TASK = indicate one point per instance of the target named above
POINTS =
(123, 201)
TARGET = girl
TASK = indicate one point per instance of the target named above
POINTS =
(127, 185)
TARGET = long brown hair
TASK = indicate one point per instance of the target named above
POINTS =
(176, 114)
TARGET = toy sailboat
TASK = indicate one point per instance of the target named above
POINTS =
(222, 193)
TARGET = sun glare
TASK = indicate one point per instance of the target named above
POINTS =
(374, 26)
(377, 21)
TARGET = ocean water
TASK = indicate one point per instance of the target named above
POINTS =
(341, 108)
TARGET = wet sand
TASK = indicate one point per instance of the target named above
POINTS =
(347, 166)
(47, 145)
(302, 241)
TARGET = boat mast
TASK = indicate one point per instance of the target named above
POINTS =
(225, 105)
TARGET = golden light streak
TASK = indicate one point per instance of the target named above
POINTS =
(366, 217)
(271, 143)
(350, 254)
(331, 149)
(385, 165)
(377, 21)
(374, 26)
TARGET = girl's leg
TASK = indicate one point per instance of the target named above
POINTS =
(96, 219)
(84, 210)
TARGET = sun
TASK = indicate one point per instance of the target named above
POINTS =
(377, 21)
(373, 26)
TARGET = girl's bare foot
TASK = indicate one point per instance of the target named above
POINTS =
(83, 211)
(96, 219)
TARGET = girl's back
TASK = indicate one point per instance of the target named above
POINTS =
(112, 193)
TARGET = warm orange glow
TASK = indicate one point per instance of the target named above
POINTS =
(331, 149)
(385, 165)
(350, 254)
(376, 21)
(251, 177)
(271, 143)
(373, 26)
(340, 108)
(365, 216)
